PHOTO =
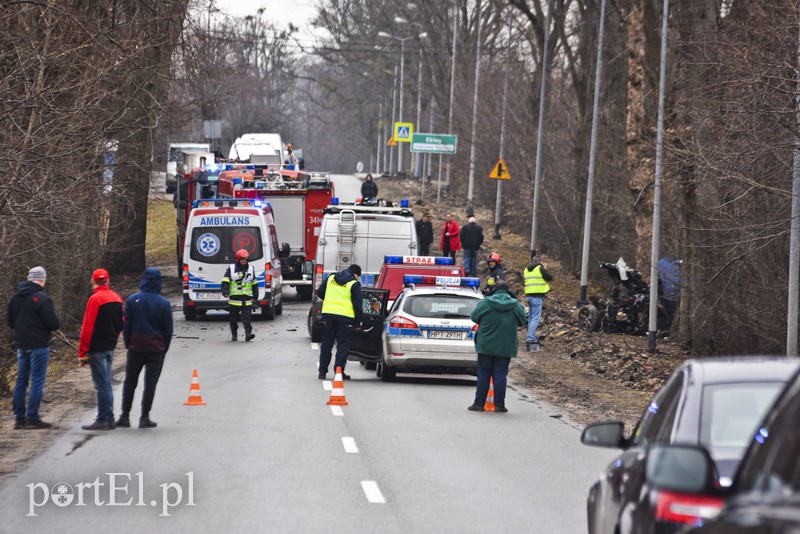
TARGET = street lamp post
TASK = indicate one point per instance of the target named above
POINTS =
(452, 95)
(419, 109)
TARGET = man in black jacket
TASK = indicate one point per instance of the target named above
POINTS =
(425, 234)
(32, 316)
(471, 237)
(369, 189)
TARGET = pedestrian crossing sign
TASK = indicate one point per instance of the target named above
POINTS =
(500, 171)
(403, 131)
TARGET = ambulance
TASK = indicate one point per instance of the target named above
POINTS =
(216, 229)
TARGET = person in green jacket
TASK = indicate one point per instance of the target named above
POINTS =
(498, 316)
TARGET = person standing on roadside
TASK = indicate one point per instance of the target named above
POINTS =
(147, 335)
(341, 312)
(369, 189)
(498, 316)
(425, 234)
(450, 243)
(495, 274)
(471, 236)
(240, 287)
(536, 287)
(32, 316)
(102, 324)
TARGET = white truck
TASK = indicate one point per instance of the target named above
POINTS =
(181, 153)
(259, 149)
(359, 233)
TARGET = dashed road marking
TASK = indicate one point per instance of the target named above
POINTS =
(373, 492)
(314, 346)
(337, 410)
(349, 445)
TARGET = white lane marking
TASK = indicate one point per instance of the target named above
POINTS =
(373, 492)
(349, 445)
(314, 346)
(327, 385)
(337, 410)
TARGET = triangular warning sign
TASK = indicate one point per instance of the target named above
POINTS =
(500, 171)
(391, 142)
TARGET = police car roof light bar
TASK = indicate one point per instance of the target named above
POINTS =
(418, 260)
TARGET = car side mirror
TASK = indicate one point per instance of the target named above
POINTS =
(605, 435)
(681, 468)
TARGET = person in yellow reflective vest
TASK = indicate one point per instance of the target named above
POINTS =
(341, 312)
(240, 287)
(536, 287)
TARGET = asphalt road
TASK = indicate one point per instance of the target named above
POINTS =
(267, 454)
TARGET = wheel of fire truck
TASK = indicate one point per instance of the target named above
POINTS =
(304, 292)
(268, 312)
(190, 313)
(314, 330)
(589, 318)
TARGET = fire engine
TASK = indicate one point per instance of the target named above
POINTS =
(298, 201)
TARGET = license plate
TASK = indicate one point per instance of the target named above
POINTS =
(208, 295)
(445, 334)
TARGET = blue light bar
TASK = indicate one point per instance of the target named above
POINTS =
(335, 201)
(404, 203)
(257, 203)
(441, 280)
(418, 260)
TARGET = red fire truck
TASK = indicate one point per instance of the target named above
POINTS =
(298, 200)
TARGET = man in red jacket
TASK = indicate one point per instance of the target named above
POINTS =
(102, 325)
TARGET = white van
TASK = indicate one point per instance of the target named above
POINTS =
(361, 233)
(258, 149)
(176, 156)
(217, 228)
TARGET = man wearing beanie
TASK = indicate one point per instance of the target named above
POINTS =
(471, 237)
(32, 316)
(341, 311)
(102, 325)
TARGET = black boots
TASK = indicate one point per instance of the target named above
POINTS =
(124, 421)
(145, 422)
(249, 336)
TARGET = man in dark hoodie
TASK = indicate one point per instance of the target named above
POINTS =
(32, 316)
(369, 189)
(147, 335)
(498, 316)
(341, 311)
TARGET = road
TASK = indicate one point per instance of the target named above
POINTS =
(266, 453)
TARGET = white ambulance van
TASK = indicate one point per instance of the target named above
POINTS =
(360, 233)
(217, 228)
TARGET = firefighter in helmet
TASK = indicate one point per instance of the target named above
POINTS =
(495, 272)
(239, 286)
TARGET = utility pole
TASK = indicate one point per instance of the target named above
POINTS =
(794, 236)
(498, 203)
(419, 111)
(470, 185)
(452, 96)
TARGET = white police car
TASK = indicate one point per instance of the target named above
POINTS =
(429, 329)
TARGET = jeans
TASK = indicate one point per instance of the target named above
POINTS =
(152, 363)
(341, 332)
(471, 261)
(247, 318)
(31, 366)
(496, 368)
(534, 314)
(100, 363)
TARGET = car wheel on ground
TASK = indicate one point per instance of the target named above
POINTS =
(314, 329)
(190, 314)
(589, 318)
(388, 374)
(268, 312)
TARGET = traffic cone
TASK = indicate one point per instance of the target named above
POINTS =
(489, 406)
(337, 391)
(194, 392)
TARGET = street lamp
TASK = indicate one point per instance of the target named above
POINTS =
(402, 70)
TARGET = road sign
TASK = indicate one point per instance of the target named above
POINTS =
(403, 131)
(391, 142)
(500, 171)
(431, 143)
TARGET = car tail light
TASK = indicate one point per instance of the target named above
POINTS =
(318, 270)
(185, 276)
(401, 322)
(268, 275)
(687, 509)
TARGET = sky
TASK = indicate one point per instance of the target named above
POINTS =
(298, 12)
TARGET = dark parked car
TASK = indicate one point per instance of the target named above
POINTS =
(715, 403)
(765, 494)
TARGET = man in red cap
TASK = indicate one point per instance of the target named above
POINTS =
(102, 324)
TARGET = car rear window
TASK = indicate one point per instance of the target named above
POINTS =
(731, 412)
(218, 244)
(440, 306)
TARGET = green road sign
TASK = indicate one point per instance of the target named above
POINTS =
(434, 143)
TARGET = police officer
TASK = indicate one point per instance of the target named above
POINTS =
(341, 312)
(536, 286)
(239, 287)
(495, 272)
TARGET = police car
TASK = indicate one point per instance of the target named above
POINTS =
(429, 329)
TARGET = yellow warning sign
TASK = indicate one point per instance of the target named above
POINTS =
(500, 171)
(391, 142)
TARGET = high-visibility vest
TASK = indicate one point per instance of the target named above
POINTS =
(337, 299)
(242, 283)
(534, 282)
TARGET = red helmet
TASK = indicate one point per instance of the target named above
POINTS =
(494, 256)
(242, 254)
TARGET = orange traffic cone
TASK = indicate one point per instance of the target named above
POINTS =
(489, 406)
(194, 392)
(337, 391)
